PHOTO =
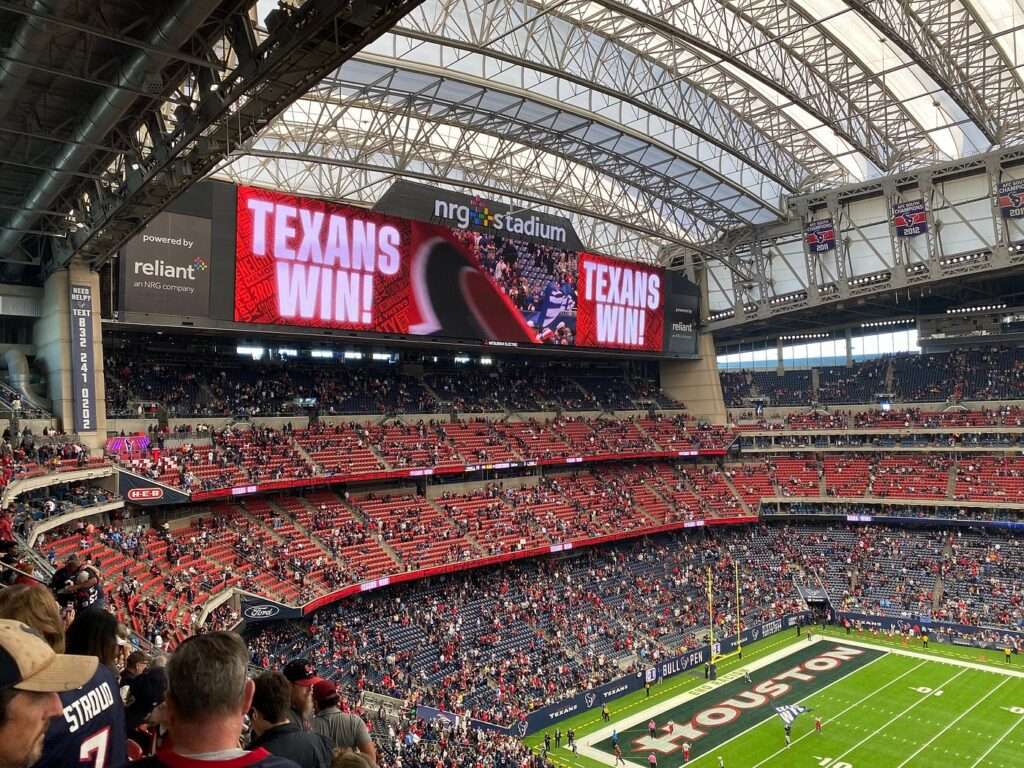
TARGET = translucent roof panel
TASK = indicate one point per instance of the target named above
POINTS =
(692, 119)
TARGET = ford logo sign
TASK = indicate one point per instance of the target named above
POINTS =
(145, 494)
(261, 611)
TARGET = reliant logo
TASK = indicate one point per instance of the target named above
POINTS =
(476, 214)
(160, 268)
(261, 612)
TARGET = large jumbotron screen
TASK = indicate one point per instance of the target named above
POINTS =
(314, 265)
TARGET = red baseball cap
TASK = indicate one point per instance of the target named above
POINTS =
(324, 690)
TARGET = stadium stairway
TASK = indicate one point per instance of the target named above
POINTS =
(358, 514)
(458, 526)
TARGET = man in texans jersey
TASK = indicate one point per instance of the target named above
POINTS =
(90, 731)
(31, 676)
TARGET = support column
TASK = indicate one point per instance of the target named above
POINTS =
(696, 382)
(52, 336)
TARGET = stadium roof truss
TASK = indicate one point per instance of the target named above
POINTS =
(683, 132)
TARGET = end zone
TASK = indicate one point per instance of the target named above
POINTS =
(705, 720)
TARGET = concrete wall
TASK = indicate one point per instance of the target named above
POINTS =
(696, 383)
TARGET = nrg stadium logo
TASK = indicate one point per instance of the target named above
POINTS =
(479, 215)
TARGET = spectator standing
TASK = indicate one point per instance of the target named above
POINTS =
(345, 731)
(208, 695)
(31, 677)
(91, 731)
(276, 733)
(302, 675)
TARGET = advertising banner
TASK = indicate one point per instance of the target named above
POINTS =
(83, 359)
(1010, 198)
(256, 609)
(317, 264)
(910, 218)
(820, 236)
(144, 492)
(165, 269)
(682, 313)
(432, 714)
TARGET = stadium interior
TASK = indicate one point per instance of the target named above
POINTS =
(433, 384)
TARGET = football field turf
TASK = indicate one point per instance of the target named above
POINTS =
(881, 706)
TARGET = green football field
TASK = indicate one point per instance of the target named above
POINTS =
(882, 704)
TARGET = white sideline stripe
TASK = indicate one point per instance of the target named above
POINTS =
(936, 659)
(838, 714)
(960, 717)
(996, 743)
(896, 717)
(644, 715)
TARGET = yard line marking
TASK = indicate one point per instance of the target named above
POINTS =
(996, 743)
(933, 657)
(901, 714)
(959, 718)
(843, 712)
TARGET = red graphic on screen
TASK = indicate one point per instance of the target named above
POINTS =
(619, 305)
(312, 263)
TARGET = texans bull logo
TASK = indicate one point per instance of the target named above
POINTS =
(521, 728)
(1011, 200)
(911, 219)
(590, 698)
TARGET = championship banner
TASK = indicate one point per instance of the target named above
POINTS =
(1010, 197)
(619, 305)
(312, 263)
(910, 218)
(820, 236)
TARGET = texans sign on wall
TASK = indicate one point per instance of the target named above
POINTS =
(304, 262)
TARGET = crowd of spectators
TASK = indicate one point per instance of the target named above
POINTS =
(990, 373)
(229, 385)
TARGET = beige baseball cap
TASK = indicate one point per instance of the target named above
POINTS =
(28, 663)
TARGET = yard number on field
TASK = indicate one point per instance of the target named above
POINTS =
(927, 691)
(826, 762)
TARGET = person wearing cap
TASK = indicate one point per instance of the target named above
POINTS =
(208, 695)
(31, 677)
(276, 733)
(90, 731)
(345, 731)
(302, 675)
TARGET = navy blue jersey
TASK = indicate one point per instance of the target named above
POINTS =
(91, 734)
